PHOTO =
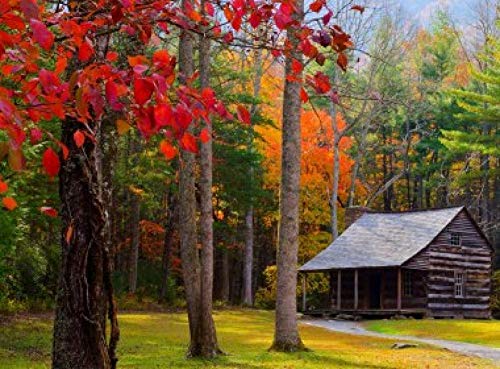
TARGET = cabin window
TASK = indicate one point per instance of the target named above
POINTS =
(407, 284)
(459, 284)
(455, 239)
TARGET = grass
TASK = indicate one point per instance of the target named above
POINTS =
(154, 340)
(485, 332)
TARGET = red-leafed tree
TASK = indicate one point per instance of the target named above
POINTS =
(62, 63)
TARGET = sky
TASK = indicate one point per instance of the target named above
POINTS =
(425, 9)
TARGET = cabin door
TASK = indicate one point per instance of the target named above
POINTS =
(375, 287)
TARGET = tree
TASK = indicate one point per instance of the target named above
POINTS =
(478, 136)
(286, 335)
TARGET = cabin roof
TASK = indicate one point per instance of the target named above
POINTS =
(382, 239)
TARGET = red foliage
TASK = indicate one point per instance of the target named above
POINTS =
(143, 92)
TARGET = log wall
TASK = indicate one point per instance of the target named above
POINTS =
(473, 257)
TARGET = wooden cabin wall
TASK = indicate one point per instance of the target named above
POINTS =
(474, 257)
(418, 298)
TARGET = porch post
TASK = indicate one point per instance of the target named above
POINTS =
(355, 289)
(339, 288)
(304, 291)
(399, 288)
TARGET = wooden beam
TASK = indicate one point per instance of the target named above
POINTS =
(304, 292)
(399, 288)
(339, 289)
(355, 289)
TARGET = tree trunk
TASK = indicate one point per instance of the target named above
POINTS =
(225, 282)
(248, 259)
(286, 336)
(84, 282)
(335, 185)
(249, 227)
(357, 163)
(172, 211)
(208, 346)
(134, 249)
(187, 208)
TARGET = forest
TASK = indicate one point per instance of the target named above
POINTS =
(187, 156)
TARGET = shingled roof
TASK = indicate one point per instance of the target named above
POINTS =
(382, 240)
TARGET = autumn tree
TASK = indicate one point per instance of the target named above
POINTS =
(286, 335)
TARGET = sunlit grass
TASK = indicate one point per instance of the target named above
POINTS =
(485, 332)
(159, 341)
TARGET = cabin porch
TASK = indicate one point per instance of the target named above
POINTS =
(377, 292)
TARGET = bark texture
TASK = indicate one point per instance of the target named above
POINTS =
(247, 297)
(187, 208)
(207, 339)
(248, 259)
(134, 250)
(197, 266)
(85, 289)
(286, 336)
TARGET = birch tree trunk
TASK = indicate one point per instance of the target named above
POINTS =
(286, 336)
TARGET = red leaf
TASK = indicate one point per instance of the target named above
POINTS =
(112, 56)
(143, 89)
(208, 96)
(204, 135)
(35, 135)
(228, 37)
(163, 115)
(320, 82)
(9, 203)
(61, 65)
(304, 97)
(168, 150)
(255, 19)
(116, 13)
(188, 143)
(51, 163)
(236, 23)
(209, 8)
(317, 5)
(79, 138)
(41, 34)
(47, 210)
(282, 19)
(320, 59)
(243, 115)
(3, 187)
(30, 9)
(359, 8)
(137, 60)
(86, 51)
(342, 61)
(326, 18)
(297, 66)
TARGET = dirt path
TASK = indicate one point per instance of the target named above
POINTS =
(460, 347)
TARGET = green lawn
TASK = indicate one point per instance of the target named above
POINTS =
(485, 332)
(153, 340)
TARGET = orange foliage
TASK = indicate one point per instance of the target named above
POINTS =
(316, 164)
(152, 239)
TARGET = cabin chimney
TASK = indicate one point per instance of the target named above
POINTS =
(353, 213)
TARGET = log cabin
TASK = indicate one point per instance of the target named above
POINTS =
(432, 263)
